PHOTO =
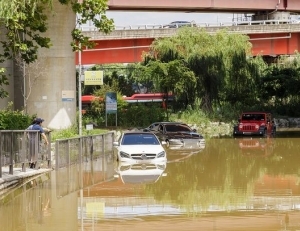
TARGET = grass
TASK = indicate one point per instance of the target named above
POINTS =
(72, 133)
(190, 117)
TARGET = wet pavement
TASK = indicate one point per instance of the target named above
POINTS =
(9, 181)
(229, 184)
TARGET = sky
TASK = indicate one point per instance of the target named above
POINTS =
(161, 18)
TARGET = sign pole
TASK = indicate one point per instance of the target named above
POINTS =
(111, 105)
(79, 93)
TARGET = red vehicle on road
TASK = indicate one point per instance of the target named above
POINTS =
(255, 123)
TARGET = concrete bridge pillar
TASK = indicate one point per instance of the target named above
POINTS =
(9, 67)
(51, 80)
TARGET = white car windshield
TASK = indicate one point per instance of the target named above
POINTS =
(139, 139)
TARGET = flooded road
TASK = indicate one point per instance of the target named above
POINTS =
(230, 184)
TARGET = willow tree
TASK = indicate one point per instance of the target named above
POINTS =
(173, 76)
(24, 22)
(210, 72)
(220, 62)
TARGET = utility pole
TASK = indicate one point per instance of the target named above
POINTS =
(79, 93)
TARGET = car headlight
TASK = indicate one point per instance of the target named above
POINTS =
(161, 154)
(124, 155)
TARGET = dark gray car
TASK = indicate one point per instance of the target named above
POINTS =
(175, 133)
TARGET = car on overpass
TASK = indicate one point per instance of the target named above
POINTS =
(178, 24)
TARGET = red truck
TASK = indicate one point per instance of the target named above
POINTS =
(255, 124)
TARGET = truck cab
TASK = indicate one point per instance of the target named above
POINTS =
(255, 124)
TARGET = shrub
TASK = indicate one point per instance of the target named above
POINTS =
(14, 120)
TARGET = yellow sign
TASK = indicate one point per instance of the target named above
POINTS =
(93, 78)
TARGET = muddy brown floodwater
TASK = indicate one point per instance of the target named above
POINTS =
(237, 184)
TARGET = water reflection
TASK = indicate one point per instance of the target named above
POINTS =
(140, 173)
(256, 146)
(225, 186)
(180, 153)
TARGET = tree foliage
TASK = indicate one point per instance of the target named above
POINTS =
(210, 62)
(26, 21)
(225, 72)
(11, 119)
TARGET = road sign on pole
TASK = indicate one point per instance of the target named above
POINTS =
(111, 105)
(93, 78)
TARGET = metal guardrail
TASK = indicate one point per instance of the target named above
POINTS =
(192, 24)
(15, 149)
(82, 149)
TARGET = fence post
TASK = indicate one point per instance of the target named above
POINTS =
(23, 152)
(103, 144)
(49, 151)
(68, 151)
(0, 154)
(91, 147)
(56, 154)
(11, 161)
(113, 140)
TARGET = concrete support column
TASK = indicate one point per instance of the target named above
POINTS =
(9, 67)
(51, 80)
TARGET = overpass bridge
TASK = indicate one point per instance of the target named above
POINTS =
(241, 6)
(127, 45)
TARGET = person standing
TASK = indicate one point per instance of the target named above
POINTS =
(37, 126)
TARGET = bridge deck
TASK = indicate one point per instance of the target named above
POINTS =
(128, 45)
(148, 32)
(241, 6)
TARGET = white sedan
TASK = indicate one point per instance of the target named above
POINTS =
(139, 147)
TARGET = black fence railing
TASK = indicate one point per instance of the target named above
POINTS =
(82, 149)
(18, 148)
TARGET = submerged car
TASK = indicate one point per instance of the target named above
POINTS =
(154, 126)
(140, 173)
(175, 133)
(139, 147)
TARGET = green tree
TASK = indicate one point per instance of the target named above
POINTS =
(173, 76)
(280, 88)
(212, 58)
(26, 21)
(210, 74)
